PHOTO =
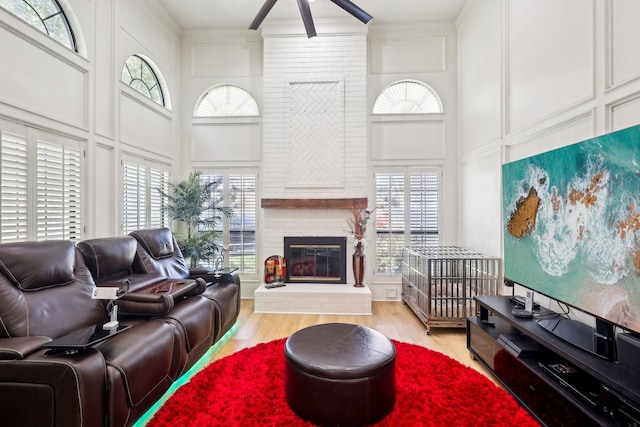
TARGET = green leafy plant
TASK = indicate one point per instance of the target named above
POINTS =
(194, 204)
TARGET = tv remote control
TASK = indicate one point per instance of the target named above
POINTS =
(274, 285)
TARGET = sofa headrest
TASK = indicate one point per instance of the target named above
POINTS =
(109, 256)
(38, 265)
(157, 242)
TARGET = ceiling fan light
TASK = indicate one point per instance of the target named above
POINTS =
(354, 10)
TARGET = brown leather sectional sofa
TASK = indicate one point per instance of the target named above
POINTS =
(46, 293)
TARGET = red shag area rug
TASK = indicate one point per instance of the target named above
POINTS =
(247, 389)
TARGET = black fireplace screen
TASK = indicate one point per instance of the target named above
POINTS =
(316, 259)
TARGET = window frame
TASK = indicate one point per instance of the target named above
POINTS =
(153, 71)
(144, 209)
(250, 99)
(406, 172)
(389, 92)
(226, 224)
(71, 44)
(66, 207)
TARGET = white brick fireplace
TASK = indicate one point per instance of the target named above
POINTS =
(314, 131)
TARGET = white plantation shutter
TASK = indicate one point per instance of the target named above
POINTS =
(13, 209)
(242, 225)
(390, 221)
(58, 191)
(424, 209)
(143, 206)
(237, 191)
(158, 180)
(134, 197)
(406, 215)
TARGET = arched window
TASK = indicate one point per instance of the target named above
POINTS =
(138, 73)
(408, 97)
(46, 16)
(226, 101)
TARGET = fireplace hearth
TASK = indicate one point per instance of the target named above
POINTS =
(316, 259)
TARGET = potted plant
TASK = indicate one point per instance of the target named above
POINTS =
(194, 204)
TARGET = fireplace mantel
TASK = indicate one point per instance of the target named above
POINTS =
(346, 203)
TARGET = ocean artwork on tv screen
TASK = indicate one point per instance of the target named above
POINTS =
(572, 225)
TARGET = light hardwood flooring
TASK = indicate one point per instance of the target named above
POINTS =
(393, 319)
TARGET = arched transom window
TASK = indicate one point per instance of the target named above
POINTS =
(138, 74)
(408, 97)
(226, 101)
(45, 15)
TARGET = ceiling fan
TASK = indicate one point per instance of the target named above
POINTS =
(305, 11)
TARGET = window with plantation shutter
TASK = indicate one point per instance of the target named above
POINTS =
(58, 191)
(143, 205)
(406, 215)
(13, 210)
(238, 233)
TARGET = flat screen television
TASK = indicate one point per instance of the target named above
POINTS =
(572, 226)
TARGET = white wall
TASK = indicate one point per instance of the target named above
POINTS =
(537, 75)
(79, 95)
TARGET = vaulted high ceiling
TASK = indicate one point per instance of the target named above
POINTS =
(238, 14)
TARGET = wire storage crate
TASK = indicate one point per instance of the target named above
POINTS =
(439, 283)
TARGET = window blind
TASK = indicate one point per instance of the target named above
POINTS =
(58, 192)
(14, 202)
(134, 197)
(242, 225)
(158, 180)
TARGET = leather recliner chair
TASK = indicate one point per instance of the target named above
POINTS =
(111, 262)
(46, 293)
(158, 253)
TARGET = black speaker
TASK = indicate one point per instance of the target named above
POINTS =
(629, 351)
(603, 342)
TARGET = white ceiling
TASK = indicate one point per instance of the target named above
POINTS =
(238, 14)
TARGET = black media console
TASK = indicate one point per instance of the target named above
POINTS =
(558, 382)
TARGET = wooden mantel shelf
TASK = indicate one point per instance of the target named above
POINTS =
(314, 203)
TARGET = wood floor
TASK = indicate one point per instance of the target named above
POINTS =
(393, 319)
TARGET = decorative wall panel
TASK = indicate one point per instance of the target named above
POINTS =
(550, 66)
(226, 59)
(155, 135)
(314, 115)
(625, 113)
(420, 54)
(37, 80)
(402, 140)
(226, 142)
(622, 26)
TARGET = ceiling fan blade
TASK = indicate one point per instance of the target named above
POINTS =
(305, 11)
(354, 10)
(264, 11)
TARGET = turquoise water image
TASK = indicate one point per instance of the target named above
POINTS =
(585, 246)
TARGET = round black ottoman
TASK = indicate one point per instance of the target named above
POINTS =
(338, 374)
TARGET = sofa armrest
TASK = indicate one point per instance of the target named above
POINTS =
(211, 276)
(54, 390)
(145, 304)
(20, 347)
